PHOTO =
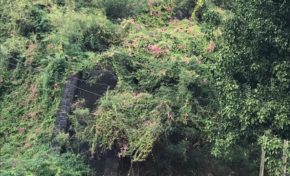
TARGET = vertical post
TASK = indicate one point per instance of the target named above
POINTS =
(262, 164)
(285, 157)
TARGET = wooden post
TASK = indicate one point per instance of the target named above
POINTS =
(285, 157)
(262, 165)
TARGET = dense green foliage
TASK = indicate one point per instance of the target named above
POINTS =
(202, 85)
(165, 86)
(253, 78)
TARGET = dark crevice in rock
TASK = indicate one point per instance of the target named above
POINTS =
(93, 85)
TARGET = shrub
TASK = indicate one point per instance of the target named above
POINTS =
(121, 8)
(184, 8)
(42, 161)
(62, 138)
(113, 9)
(84, 31)
(34, 21)
(211, 18)
(224, 3)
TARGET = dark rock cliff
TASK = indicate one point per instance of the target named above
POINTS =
(88, 86)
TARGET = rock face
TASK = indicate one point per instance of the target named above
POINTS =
(111, 165)
(89, 86)
(90, 90)
(62, 116)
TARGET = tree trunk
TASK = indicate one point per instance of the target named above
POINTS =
(262, 165)
(285, 157)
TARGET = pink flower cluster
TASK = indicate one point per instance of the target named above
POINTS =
(154, 49)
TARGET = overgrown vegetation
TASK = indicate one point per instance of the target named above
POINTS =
(253, 78)
(202, 85)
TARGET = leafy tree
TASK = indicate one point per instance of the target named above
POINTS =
(253, 78)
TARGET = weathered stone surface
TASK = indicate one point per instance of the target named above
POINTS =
(104, 80)
(78, 87)
(62, 116)
(111, 166)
